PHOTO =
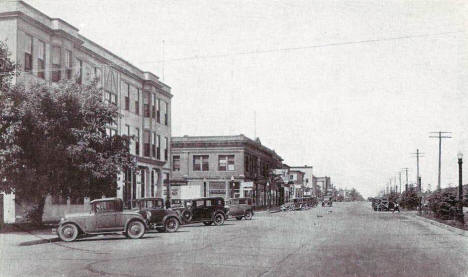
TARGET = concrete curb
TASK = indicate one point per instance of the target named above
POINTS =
(441, 225)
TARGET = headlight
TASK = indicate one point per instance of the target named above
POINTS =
(62, 219)
(148, 215)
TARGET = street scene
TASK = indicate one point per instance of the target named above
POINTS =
(348, 239)
(233, 138)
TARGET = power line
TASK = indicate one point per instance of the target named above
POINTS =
(440, 136)
(287, 49)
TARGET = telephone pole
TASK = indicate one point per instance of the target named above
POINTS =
(418, 155)
(440, 136)
(406, 185)
(399, 173)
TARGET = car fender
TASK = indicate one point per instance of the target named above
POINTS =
(77, 223)
(142, 220)
(176, 216)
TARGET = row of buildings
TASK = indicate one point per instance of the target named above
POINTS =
(50, 50)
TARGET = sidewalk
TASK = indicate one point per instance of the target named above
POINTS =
(17, 235)
(458, 231)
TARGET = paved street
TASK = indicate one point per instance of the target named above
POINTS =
(346, 240)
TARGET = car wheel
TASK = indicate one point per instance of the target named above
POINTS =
(187, 216)
(238, 217)
(219, 219)
(68, 232)
(248, 215)
(207, 223)
(135, 229)
(171, 225)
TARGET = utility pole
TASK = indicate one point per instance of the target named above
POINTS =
(406, 185)
(418, 155)
(399, 173)
(440, 136)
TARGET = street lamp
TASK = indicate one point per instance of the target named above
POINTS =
(460, 187)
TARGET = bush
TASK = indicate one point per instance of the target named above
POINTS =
(409, 200)
(443, 205)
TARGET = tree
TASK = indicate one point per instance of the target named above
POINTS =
(409, 199)
(355, 195)
(53, 142)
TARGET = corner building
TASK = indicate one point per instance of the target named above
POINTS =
(224, 166)
(49, 50)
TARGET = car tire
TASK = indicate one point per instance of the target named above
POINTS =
(135, 229)
(68, 232)
(207, 223)
(248, 215)
(239, 217)
(187, 216)
(171, 225)
(219, 219)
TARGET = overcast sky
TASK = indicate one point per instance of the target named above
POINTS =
(349, 87)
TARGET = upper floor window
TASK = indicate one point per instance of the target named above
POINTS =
(158, 110)
(166, 149)
(226, 162)
(110, 97)
(68, 64)
(158, 147)
(56, 63)
(153, 106)
(146, 143)
(137, 141)
(28, 50)
(137, 102)
(41, 60)
(166, 113)
(176, 163)
(146, 104)
(79, 74)
(111, 132)
(200, 163)
(153, 145)
(127, 97)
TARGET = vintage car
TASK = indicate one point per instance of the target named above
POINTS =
(327, 201)
(106, 216)
(157, 216)
(240, 208)
(182, 206)
(208, 210)
(299, 204)
(310, 201)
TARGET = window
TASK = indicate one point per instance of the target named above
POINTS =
(56, 52)
(166, 113)
(199, 203)
(127, 133)
(153, 107)
(153, 145)
(200, 163)
(28, 50)
(137, 141)
(79, 72)
(226, 162)
(68, 64)
(291, 177)
(176, 163)
(111, 132)
(246, 163)
(146, 143)
(143, 183)
(166, 149)
(110, 97)
(146, 104)
(127, 98)
(158, 111)
(137, 102)
(158, 149)
(41, 60)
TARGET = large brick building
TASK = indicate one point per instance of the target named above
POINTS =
(226, 166)
(49, 50)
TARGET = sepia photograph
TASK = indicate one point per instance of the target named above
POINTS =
(233, 138)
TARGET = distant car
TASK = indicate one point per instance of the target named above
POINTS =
(208, 210)
(310, 201)
(157, 216)
(240, 208)
(327, 201)
(299, 204)
(182, 206)
(384, 205)
(288, 206)
(106, 216)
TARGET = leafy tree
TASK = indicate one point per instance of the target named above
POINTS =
(53, 142)
(355, 195)
(409, 199)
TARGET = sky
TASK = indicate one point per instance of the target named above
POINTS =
(349, 87)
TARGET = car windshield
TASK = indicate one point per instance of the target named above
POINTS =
(151, 203)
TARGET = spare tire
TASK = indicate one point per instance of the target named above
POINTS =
(187, 216)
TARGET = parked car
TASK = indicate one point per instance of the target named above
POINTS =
(106, 216)
(240, 208)
(208, 210)
(288, 206)
(299, 204)
(327, 201)
(157, 216)
(182, 206)
(310, 201)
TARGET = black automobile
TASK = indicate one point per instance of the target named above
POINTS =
(208, 210)
(157, 216)
(182, 206)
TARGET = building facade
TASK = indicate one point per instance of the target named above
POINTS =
(323, 183)
(226, 166)
(308, 177)
(49, 50)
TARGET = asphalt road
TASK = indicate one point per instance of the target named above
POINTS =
(348, 239)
